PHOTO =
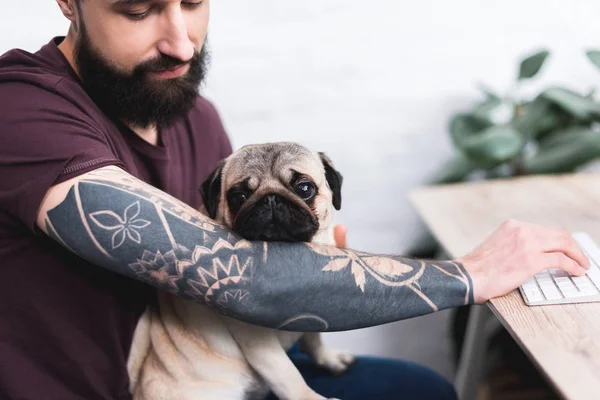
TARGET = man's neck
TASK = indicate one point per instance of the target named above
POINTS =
(66, 47)
(149, 134)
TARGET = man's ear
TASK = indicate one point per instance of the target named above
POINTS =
(68, 9)
(334, 179)
(211, 190)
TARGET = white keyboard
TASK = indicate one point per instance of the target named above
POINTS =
(556, 286)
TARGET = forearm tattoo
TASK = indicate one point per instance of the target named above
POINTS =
(118, 222)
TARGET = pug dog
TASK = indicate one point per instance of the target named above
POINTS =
(183, 350)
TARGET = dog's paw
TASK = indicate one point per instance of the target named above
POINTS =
(334, 361)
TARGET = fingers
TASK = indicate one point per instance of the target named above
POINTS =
(560, 240)
(561, 261)
(339, 234)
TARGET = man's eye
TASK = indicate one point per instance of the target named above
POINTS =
(137, 16)
(192, 4)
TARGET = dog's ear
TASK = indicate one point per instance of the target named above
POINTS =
(334, 179)
(211, 190)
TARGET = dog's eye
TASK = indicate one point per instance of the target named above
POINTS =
(306, 190)
(235, 200)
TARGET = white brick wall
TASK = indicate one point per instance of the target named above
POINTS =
(372, 83)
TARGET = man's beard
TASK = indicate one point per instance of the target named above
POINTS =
(135, 98)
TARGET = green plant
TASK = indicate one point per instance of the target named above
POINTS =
(555, 131)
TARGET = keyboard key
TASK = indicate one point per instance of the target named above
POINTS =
(595, 278)
(577, 280)
(589, 290)
(551, 292)
(534, 295)
(574, 294)
(564, 282)
(583, 283)
(559, 273)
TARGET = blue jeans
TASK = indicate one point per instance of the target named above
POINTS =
(371, 378)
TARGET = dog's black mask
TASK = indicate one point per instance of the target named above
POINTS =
(277, 219)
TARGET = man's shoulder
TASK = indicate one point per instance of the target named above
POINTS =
(43, 69)
(42, 85)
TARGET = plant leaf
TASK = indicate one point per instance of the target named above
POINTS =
(531, 65)
(359, 275)
(463, 126)
(594, 57)
(494, 146)
(581, 107)
(387, 266)
(581, 149)
(539, 117)
(561, 137)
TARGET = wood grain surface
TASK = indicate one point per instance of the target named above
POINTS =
(563, 340)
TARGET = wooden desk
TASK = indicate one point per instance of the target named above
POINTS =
(563, 340)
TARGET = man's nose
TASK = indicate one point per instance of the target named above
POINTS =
(175, 41)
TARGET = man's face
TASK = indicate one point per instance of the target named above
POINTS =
(142, 61)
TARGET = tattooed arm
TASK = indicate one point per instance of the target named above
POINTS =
(118, 222)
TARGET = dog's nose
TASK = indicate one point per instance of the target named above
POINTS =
(270, 200)
(270, 203)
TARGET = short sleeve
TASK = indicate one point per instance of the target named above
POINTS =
(44, 139)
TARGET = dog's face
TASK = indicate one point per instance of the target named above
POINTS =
(274, 192)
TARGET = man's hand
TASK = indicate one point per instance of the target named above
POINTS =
(339, 234)
(515, 252)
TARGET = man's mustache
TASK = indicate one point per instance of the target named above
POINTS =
(164, 62)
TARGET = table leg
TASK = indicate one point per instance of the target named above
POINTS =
(472, 354)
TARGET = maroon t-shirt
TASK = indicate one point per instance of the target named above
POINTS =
(65, 324)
